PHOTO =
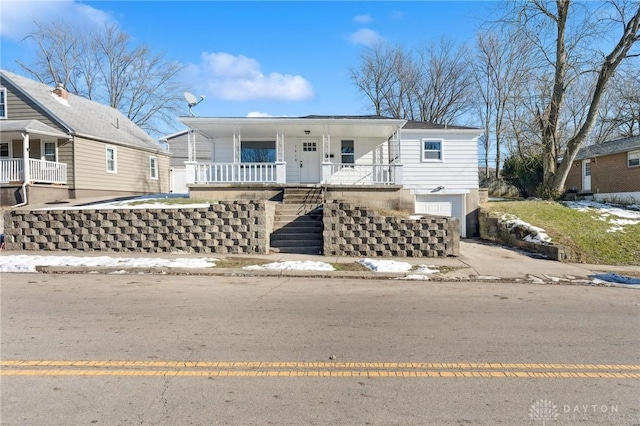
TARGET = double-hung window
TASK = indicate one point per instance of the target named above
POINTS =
(431, 150)
(49, 151)
(112, 159)
(3, 102)
(633, 159)
(347, 152)
(153, 167)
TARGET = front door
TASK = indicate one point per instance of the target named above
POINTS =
(309, 161)
(586, 175)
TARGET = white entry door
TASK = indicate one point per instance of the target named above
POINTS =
(309, 161)
(586, 175)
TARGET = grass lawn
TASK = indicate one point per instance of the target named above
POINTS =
(584, 232)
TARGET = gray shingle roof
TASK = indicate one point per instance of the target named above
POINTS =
(31, 126)
(419, 125)
(84, 117)
(609, 148)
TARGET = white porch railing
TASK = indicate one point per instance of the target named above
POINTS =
(236, 173)
(361, 174)
(12, 170)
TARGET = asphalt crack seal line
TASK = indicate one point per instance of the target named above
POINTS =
(169, 369)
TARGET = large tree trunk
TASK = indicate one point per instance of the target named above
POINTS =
(555, 176)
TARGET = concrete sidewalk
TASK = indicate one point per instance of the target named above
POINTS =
(478, 260)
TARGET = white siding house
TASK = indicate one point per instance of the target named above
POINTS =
(413, 166)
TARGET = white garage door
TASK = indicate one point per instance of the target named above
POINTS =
(443, 205)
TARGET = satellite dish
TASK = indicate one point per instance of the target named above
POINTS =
(192, 101)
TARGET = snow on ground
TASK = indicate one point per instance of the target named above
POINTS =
(537, 235)
(386, 265)
(26, 263)
(383, 265)
(307, 265)
(616, 216)
(153, 201)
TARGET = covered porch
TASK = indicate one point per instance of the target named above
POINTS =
(29, 153)
(305, 150)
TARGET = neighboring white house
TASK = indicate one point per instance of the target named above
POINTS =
(414, 166)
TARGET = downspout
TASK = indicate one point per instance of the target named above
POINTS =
(25, 169)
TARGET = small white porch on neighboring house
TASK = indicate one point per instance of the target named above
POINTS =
(288, 151)
(29, 156)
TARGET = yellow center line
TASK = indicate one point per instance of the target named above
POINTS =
(313, 369)
(309, 365)
(317, 373)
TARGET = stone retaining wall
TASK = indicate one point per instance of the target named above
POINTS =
(230, 227)
(494, 229)
(356, 231)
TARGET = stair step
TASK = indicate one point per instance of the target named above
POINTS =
(296, 236)
(298, 250)
(295, 243)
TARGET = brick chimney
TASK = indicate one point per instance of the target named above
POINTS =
(60, 91)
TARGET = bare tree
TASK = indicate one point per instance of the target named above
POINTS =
(102, 66)
(500, 71)
(432, 84)
(375, 74)
(570, 55)
(619, 114)
(444, 91)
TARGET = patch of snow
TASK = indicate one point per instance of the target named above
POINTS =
(126, 205)
(24, 263)
(486, 277)
(292, 265)
(534, 279)
(415, 277)
(537, 235)
(615, 229)
(386, 265)
(615, 278)
(415, 217)
(424, 269)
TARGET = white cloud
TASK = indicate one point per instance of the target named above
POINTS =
(362, 19)
(366, 36)
(239, 78)
(18, 16)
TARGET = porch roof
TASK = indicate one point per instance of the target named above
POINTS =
(30, 126)
(315, 126)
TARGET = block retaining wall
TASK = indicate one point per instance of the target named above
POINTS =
(231, 227)
(496, 230)
(356, 231)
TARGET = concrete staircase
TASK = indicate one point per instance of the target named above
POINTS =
(298, 222)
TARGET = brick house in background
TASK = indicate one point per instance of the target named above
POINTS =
(608, 171)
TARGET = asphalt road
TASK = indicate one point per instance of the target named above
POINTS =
(149, 349)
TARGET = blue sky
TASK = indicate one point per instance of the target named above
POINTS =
(259, 58)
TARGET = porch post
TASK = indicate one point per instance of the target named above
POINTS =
(25, 155)
(237, 144)
(281, 165)
(326, 154)
(190, 164)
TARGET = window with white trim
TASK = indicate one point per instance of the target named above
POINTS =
(112, 159)
(49, 151)
(633, 159)
(347, 152)
(5, 149)
(431, 149)
(3, 102)
(153, 167)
